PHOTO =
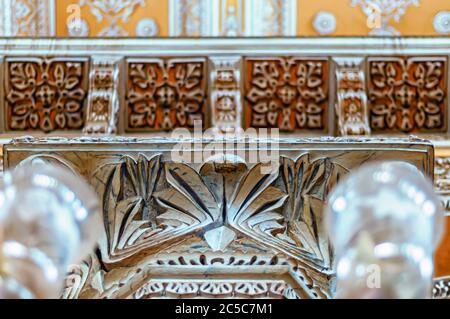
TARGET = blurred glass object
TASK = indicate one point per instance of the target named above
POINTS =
(384, 221)
(50, 219)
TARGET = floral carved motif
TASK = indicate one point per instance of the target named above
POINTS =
(163, 94)
(46, 94)
(288, 93)
(407, 94)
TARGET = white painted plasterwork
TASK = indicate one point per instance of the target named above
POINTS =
(27, 18)
(271, 17)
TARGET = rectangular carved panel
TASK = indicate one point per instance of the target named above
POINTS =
(45, 94)
(163, 94)
(407, 94)
(103, 99)
(290, 93)
(209, 228)
(226, 104)
(351, 106)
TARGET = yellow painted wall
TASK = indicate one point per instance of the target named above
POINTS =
(351, 21)
(155, 9)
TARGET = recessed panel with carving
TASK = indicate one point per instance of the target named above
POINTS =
(407, 94)
(164, 94)
(45, 94)
(289, 93)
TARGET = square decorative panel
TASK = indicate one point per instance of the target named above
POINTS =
(163, 94)
(407, 94)
(45, 94)
(288, 93)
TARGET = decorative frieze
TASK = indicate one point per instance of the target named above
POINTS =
(351, 105)
(163, 94)
(45, 94)
(407, 94)
(289, 93)
(103, 99)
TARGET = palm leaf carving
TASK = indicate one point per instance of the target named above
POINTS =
(147, 202)
(285, 210)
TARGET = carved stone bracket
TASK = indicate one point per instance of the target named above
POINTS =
(226, 103)
(351, 106)
(103, 99)
(212, 229)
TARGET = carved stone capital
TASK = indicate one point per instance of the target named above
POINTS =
(103, 99)
(351, 106)
(210, 228)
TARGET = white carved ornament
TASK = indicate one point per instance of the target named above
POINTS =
(380, 12)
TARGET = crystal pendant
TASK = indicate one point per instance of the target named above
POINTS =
(50, 219)
(384, 221)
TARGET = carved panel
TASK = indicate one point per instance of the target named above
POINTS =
(407, 94)
(103, 100)
(226, 94)
(351, 106)
(45, 94)
(163, 94)
(174, 229)
(290, 93)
